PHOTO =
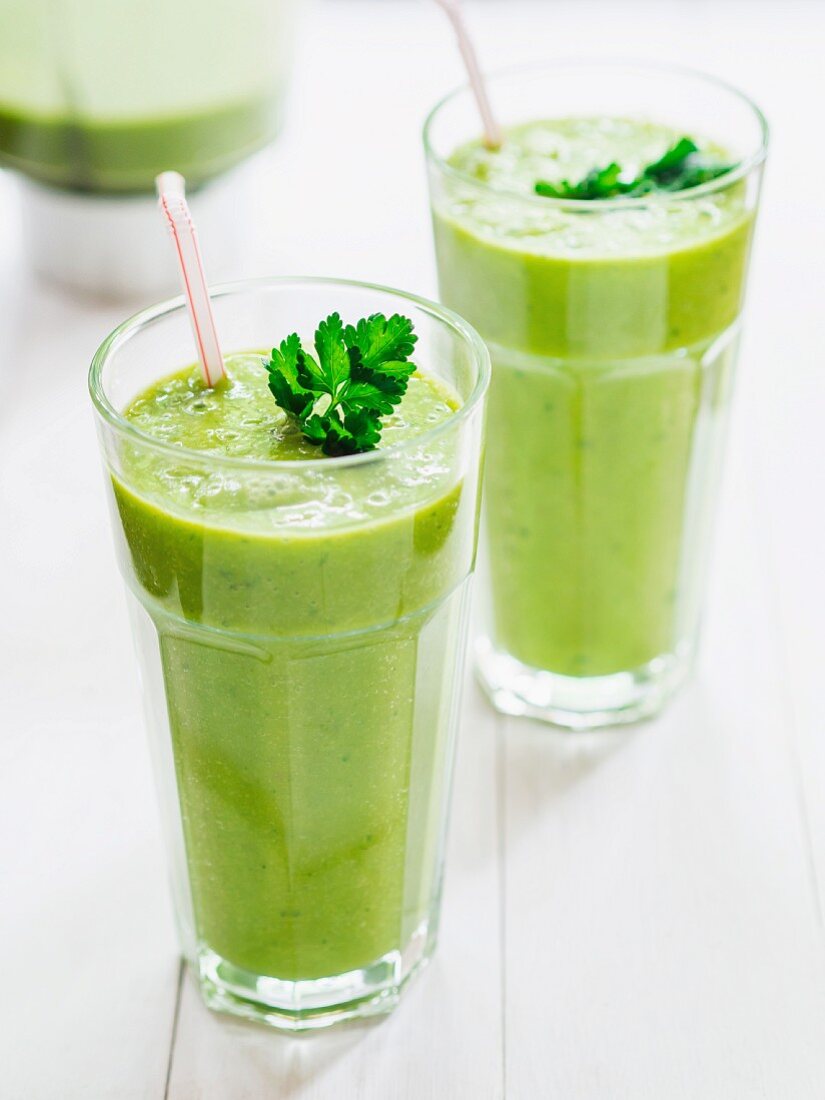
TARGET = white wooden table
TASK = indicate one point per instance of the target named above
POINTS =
(633, 916)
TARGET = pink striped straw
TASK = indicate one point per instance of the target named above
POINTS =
(171, 188)
(492, 130)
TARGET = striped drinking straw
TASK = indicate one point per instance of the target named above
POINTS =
(492, 130)
(171, 188)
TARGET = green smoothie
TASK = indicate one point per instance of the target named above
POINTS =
(307, 620)
(98, 96)
(612, 329)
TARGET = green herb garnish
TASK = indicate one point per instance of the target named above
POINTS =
(683, 166)
(359, 375)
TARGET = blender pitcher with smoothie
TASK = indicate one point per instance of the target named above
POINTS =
(97, 98)
(298, 563)
(601, 250)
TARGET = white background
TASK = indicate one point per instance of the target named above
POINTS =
(633, 916)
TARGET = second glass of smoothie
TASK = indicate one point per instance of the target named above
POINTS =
(301, 625)
(613, 326)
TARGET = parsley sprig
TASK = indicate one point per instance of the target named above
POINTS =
(360, 373)
(683, 166)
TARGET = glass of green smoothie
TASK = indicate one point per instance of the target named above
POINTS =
(300, 623)
(602, 253)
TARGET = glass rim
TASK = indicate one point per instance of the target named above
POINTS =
(138, 321)
(738, 172)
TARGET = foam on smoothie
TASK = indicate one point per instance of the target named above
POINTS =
(567, 149)
(240, 420)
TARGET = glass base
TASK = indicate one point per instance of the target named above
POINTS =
(578, 703)
(306, 1005)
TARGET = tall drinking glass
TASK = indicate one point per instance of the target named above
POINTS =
(300, 629)
(613, 327)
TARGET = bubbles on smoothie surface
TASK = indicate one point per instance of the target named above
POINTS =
(556, 150)
(234, 420)
(242, 420)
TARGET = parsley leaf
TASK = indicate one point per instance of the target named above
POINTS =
(599, 183)
(683, 166)
(360, 373)
(283, 378)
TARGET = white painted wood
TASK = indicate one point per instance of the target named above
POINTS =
(89, 966)
(795, 491)
(788, 412)
(662, 936)
(791, 475)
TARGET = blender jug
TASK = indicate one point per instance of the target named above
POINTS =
(96, 98)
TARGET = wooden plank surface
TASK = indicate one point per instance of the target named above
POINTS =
(637, 915)
(89, 966)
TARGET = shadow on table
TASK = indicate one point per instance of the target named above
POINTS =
(263, 1062)
(548, 776)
